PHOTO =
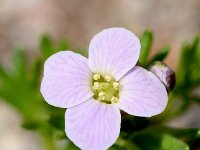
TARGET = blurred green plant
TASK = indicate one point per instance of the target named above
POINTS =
(20, 87)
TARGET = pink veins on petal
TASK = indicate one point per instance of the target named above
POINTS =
(94, 90)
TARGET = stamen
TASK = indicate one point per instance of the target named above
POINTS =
(116, 85)
(96, 86)
(96, 76)
(101, 93)
(105, 89)
(103, 98)
(107, 78)
(114, 99)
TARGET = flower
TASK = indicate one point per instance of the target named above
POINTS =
(94, 90)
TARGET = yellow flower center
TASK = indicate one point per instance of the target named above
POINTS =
(105, 89)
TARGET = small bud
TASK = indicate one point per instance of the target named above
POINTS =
(165, 74)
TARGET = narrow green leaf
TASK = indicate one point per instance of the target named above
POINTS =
(197, 54)
(56, 118)
(171, 143)
(30, 125)
(183, 67)
(36, 72)
(71, 146)
(60, 135)
(63, 45)
(46, 46)
(153, 137)
(19, 63)
(146, 43)
(3, 73)
(188, 71)
(161, 55)
(82, 52)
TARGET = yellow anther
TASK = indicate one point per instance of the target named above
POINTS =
(96, 76)
(114, 99)
(96, 85)
(107, 78)
(103, 98)
(116, 85)
(101, 93)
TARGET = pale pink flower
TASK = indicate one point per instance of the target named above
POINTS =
(95, 89)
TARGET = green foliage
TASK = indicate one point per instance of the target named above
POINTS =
(152, 141)
(20, 88)
(146, 43)
(160, 56)
(46, 46)
(164, 138)
(188, 80)
(171, 143)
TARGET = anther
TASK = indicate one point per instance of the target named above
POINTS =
(103, 98)
(96, 86)
(101, 93)
(96, 76)
(114, 99)
(116, 85)
(107, 78)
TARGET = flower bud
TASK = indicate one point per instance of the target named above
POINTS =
(165, 74)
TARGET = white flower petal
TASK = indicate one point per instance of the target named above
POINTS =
(142, 93)
(66, 80)
(93, 125)
(114, 52)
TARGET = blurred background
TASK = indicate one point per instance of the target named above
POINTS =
(22, 22)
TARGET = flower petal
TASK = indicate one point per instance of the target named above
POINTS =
(66, 80)
(93, 125)
(142, 93)
(114, 52)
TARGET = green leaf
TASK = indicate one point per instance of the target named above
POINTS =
(3, 73)
(82, 52)
(71, 146)
(46, 46)
(116, 147)
(63, 45)
(183, 74)
(188, 72)
(155, 137)
(198, 50)
(60, 135)
(152, 141)
(160, 56)
(36, 72)
(124, 144)
(56, 118)
(19, 64)
(146, 43)
(171, 143)
(30, 125)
